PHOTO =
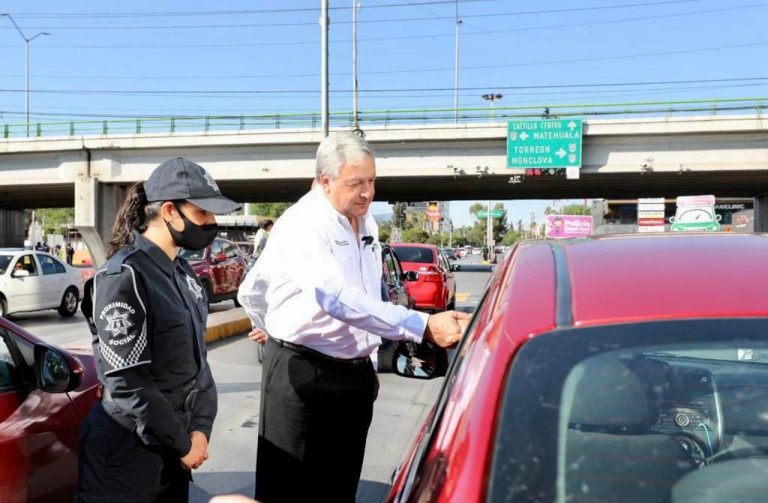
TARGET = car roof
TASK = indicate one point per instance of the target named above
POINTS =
(632, 278)
(414, 245)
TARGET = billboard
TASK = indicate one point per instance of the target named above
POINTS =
(568, 226)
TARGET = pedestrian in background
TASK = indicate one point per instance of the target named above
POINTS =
(70, 251)
(316, 290)
(260, 239)
(148, 315)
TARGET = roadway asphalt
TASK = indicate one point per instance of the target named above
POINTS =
(398, 412)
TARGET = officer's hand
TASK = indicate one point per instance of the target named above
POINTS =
(232, 498)
(445, 329)
(258, 335)
(198, 453)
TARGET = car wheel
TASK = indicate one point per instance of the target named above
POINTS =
(69, 301)
(2, 307)
(260, 353)
(237, 302)
(208, 290)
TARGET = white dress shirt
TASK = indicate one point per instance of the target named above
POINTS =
(319, 285)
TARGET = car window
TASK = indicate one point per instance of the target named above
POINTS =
(391, 270)
(217, 248)
(8, 367)
(229, 250)
(651, 412)
(415, 254)
(50, 265)
(192, 255)
(27, 263)
(5, 261)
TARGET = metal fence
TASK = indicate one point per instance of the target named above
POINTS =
(379, 118)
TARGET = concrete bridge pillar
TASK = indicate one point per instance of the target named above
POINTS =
(11, 228)
(761, 213)
(96, 206)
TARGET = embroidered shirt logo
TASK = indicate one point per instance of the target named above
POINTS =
(195, 288)
(341, 243)
(118, 322)
(211, 182)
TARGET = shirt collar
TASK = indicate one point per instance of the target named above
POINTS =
(154, 252)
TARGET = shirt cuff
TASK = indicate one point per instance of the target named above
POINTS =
(415, 326)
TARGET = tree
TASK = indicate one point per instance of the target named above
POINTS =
(510, 238)
(272, 210)
(55, 220)
(385, 231)
(576, 209)
(415, 235)
(399, 215)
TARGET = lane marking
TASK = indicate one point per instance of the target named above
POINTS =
(462, 296)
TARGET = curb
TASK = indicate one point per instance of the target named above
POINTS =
(227, 329)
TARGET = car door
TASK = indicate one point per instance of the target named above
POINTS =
(54, 279)
(450, 279)
(38, 430)
(218, 267)
(393, 273)
(26, 293)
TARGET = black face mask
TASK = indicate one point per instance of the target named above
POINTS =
(193, 237)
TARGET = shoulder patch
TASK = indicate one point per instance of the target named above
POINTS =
(120, 317)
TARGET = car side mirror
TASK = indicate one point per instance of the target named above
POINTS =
(21, 273)
(56, 371)
(420, 361)
(410, 276)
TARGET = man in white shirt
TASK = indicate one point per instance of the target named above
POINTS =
(260, 239)
(316, 292)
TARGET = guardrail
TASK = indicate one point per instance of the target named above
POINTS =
(170, 125)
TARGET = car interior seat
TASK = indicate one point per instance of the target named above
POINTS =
(611, 453)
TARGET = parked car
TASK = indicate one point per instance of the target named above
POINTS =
(435, 289)
(393, 289)
(34, 280)
(621, 368)
(220, 267)
(45, 393)
(450, 253)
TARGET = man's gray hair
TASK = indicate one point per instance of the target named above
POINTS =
(338, 149)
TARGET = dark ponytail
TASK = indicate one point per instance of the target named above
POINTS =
(134, 214)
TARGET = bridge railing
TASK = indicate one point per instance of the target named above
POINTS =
(378, 118)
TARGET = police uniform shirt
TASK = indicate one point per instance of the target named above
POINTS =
(319, 285)
(150, 315)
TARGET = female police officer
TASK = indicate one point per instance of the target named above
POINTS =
(148, 317)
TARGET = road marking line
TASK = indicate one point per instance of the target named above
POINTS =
(463, 296)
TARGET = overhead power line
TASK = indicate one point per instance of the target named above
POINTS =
(117, 27)
(220, 92)
(409, 37)
(111, 15)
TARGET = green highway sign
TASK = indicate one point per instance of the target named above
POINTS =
(544, 143)
(494, 214)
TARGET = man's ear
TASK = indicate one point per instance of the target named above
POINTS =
(325, 182)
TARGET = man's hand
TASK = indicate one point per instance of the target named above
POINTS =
(445, 329)
(258, 335)
(198, 453)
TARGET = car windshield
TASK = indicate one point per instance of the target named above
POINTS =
(655, 412)
(192, 255)
(5, 260)
(415, 254)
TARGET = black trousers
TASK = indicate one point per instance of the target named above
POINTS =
(116, 467)
(315, 414)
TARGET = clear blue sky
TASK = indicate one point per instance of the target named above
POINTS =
(140, 58)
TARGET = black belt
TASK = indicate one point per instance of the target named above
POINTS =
(304, 350)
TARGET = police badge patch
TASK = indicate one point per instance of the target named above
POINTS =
(195, 288)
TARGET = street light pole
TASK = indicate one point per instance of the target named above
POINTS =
(492, 97)
(324, 66)
(26, 62)
(456, 68)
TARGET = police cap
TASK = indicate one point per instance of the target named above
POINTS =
(181, 179)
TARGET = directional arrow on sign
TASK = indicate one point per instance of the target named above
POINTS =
(561, 153)
(523, 136)
(571, 125)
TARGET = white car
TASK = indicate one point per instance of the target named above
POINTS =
(33, 280)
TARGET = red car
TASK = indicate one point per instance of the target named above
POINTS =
(621, 369)
(220, 267)
(45, 393)
(435, 289)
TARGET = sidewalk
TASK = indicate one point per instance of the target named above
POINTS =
(224, 324)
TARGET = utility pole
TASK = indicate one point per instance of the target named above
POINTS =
(324, 21)
(355, 6)
(456, 68)
(489, 231)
